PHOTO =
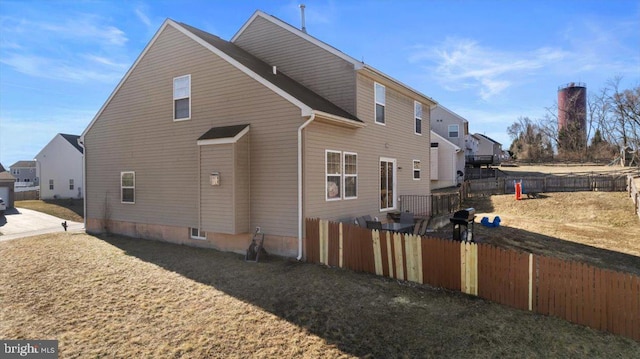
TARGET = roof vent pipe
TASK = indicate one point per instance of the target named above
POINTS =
(275, 71)
(303, 28)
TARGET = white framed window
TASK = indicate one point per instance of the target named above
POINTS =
(453, 131)
(387, 184)
(182, 98)
(417, 114)
(71, 184)
(350, 175)
(341, 172)
(380, 95)
(333, 174)
(128, 187)
(196, 233)
(416, 169)
(51, 184)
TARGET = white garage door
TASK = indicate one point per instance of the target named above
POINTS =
(4, 194)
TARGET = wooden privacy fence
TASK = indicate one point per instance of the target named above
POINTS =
(634, 192)
(583, 294)
(26, 195)
(505, 185)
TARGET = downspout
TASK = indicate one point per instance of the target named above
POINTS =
(199, 191)
(455, 166)
(84, 180)
(300, 187)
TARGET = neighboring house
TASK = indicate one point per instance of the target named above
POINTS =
(447, 163)
(488, 147)
(471, 145)
(25, 173)
(454, 129)
(7, 183)
(205, 140)
(59, 166)
(448, 124)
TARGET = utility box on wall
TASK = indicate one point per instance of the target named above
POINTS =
(214, 178)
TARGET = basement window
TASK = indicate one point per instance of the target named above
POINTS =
(196, 233)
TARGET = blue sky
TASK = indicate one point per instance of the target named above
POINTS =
(489, 61)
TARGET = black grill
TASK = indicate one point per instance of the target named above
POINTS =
(460, 221)
(467, 214)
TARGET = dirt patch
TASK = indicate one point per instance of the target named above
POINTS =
(121, 297)
(599, 228)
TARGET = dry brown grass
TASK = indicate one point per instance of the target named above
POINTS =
(129, 298)
(69, 209)
(566, 169)
(599, 228)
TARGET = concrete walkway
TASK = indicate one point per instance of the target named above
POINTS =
(22, 222)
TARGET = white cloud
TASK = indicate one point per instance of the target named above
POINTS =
(465, 64)
(609, 47)
(104, 61)
(140, 13)
(71, 49)
(85, 27)
(60, 69)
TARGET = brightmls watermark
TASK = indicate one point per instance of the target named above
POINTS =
(40, 349)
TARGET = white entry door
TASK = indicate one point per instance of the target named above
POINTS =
(387, 183)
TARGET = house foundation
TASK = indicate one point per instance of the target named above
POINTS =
(282, 246)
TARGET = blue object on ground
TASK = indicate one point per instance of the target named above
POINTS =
(495, 223)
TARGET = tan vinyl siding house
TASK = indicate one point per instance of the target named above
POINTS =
(256, 128)
(316, 65)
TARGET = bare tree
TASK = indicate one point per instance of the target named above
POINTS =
(621, 122)
(529, 142)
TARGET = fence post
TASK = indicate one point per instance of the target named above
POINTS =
(469, 268)
(340, 247)
(324, 242)
(530, 281)
(377, 252)
(397, 245)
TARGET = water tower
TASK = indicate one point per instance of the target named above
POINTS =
(572, 116)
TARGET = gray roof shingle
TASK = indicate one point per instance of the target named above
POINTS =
(73, 140)
(265, 71)
(222, 132)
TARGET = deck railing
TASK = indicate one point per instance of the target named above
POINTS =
(430, 205)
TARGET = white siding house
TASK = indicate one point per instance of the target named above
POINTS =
(451, 130)
(59, 168)
(447, 162)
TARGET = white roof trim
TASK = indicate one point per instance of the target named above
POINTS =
(226, 140)
(338, 119)
(126, 76)
(441, 139)
(357, 64)
(483, 137)
(304, 109)
(400, 84)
